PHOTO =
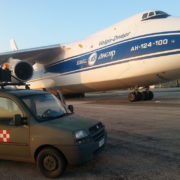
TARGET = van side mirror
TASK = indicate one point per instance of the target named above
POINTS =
(19, 120)
(71, 108)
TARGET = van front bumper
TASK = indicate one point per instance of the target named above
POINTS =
(79, 154)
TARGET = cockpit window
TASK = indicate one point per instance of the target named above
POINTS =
(145, 15)
(151, 14)
(154, 15)
(160, 12)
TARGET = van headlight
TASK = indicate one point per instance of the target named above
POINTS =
(80, 134)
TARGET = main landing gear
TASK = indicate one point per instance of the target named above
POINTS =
(140, 96)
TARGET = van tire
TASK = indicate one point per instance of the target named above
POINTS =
(51, 162)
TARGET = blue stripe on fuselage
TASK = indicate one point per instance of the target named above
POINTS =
(131, 48)
(109, 45)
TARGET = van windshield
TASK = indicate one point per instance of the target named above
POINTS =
(44, 106)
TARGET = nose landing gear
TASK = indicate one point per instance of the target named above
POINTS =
(140, 96)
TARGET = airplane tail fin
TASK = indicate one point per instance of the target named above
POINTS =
(13, 45)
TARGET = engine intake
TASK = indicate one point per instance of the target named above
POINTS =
(23, 71)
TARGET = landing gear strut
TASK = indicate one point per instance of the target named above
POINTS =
(140, 96)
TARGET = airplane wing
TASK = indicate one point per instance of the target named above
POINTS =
(42, 55)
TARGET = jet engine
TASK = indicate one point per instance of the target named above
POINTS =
(22, 71)
(16, 71)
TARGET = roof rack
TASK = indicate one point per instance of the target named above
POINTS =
(3, 84)
(5, 79)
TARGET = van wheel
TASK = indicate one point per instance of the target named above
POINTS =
(51, 162)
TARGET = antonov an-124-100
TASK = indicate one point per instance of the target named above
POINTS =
(140, 51)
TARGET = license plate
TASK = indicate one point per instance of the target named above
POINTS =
(101, 142)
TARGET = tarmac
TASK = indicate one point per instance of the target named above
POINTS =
(143, 139)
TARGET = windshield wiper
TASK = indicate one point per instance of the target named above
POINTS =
(51, 117)
(60, 116)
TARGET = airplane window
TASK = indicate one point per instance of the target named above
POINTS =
(159, 12)
(145, 16)
(154, 15)
(151, 14)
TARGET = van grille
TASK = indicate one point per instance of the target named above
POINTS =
(97, 132)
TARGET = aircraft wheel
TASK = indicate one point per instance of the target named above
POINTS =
(138, 96)
(151, 95)
(145, 95)
(132, 97)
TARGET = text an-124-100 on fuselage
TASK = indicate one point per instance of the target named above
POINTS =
(140, 51)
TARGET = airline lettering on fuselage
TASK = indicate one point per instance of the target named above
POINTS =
(82, 61)
(95, 57)
(107, 55)
(113, 39)
(151, 44)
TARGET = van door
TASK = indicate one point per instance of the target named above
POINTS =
(14, 140)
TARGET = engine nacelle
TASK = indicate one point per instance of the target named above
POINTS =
(22, 70)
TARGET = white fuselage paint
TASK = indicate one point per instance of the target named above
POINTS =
(128, 54)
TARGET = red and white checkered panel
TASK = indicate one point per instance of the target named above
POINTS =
(4, 136)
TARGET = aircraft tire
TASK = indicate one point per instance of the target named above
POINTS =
(132, 97)
(138, 96)
(145, 95)
(151, 95)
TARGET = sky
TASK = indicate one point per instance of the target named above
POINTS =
(36, 23)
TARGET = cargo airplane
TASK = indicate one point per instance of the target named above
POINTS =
(138, 52)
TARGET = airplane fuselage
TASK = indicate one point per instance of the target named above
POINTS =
(134, 52)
